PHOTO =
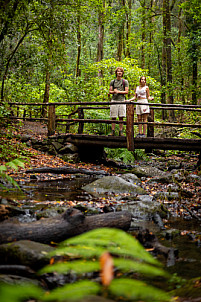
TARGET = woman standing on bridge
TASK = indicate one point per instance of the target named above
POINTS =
(142, 95)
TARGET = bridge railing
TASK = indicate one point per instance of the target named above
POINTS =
(53, 120)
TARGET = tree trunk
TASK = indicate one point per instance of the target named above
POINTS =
(59, 228)
(169, 61)
(101, 21)
(179, 55)
(128, 28)
(120, 46)
(79, 45)
(164, 59)
(9, 60)
(47, 90)
(195, 78)
(143, 35)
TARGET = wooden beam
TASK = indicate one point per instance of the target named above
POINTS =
(129, 127)
(51, 120)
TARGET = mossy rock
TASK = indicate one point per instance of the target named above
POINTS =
(192, 289)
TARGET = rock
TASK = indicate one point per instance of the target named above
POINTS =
(25, 138)
(167, 178)
(147, 171)
(142, 208)
(17, 280)
(173, 188)
(171, 233)
(132, 178)
(70, 158)
(194, 178)
(112, 184)
(7, 211)
(167, 195)
(25, 252)
(57, 146)
(69, 148)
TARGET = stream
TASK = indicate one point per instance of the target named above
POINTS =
(52, 197)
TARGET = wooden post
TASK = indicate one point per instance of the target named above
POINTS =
(24, 115)
(150, 128)
(129, 127)
(81, 124)
(51, 120)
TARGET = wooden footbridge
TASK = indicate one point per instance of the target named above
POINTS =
(97, 142)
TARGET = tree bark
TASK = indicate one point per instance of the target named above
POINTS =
(128, 28)
(59, 228)
(164, 59)
(143, 35)
(79, 44)
(169, 61)
(101, 21)
(179, 57)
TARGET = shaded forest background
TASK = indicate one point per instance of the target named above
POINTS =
(58, 51)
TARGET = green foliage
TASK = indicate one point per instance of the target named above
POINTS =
(4, 112)
(83, 253)
(126, 156)
(81, 256)
(18, 293)
(134, 290)
(5, 178)
(73, 292)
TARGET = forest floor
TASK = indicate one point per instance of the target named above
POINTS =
(33, 158)
(10, 139)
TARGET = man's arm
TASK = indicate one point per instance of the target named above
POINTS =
(111, 91)
(121, 92)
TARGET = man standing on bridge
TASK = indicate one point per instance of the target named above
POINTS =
(118, 89)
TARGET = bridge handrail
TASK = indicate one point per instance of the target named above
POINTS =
(53, 119)
(107, 103)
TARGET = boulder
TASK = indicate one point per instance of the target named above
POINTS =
(113, 184)
(25, 252)
(147, 171)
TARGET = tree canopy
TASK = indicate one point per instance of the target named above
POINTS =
(67, 50)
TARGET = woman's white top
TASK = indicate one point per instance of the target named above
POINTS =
(141, 92)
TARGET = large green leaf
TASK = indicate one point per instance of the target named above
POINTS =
(77, 251)
(134, 290)
(118, 242)
(73, 292)
(17, 293)
(126, 265)
(77, 266)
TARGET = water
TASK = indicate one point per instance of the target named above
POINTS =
(60, 194)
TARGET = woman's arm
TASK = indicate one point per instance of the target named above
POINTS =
(150, 98)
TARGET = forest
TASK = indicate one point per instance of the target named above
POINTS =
(56, 51)
(62, 51)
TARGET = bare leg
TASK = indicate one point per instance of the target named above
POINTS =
(139, 119)
(113, 124)
(144, 119)
(121, 124)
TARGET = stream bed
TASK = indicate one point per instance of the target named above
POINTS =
(49, 198)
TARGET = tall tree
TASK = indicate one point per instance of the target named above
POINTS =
(128, 28)
(101, 22)
(167, 49)
(192, 11)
